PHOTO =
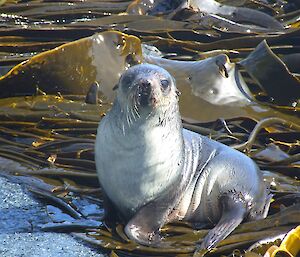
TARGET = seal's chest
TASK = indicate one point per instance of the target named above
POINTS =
(153, 160)
(135, 168)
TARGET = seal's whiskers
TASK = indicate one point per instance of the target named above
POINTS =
(149, 115)
(135, 108)
(128, 117)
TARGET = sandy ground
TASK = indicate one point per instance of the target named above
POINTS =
(20, 215)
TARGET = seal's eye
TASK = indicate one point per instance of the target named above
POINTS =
(164, 84)
(126, 82)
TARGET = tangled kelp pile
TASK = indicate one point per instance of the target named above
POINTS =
(55, 149)
(49, 134)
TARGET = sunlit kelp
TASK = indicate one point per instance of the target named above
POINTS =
(210, 8)
(213, 79)
(157, 7)
(72, 68)
(238, 14)
(235, 13)
(59, 146)
(136, 25)
(62, 9)
(288, 247)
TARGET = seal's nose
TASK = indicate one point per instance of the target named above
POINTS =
(144, 91)
(146, 85)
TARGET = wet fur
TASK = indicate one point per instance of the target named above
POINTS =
(154, 172)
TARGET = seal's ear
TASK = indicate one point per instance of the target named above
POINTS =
(115, 87)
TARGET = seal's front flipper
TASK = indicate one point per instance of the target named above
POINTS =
(144, 227)
(142, 235)
(233, 214)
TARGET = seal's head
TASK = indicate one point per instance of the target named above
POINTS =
(146, 88)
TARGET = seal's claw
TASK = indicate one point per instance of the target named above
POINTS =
(141, 236)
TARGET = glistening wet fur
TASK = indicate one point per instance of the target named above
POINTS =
(155, 172)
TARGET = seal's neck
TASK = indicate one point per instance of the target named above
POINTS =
(129, 120)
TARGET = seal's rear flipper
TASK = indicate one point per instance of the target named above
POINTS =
(232, 215)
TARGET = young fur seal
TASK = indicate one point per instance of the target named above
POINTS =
(153, 171)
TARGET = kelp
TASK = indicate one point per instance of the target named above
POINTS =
(288, 247)
(222, 24)
(77, 21)
(66, 155)
(48, 124)
(214, 82)
(37, 8)
(271, 73)
(214, 79)
(59, 70)
(237, 14)
(210, 7)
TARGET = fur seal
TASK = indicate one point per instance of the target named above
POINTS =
(153, 171)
